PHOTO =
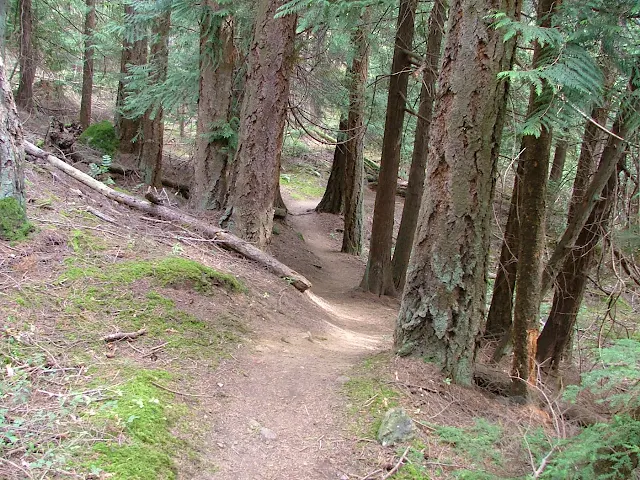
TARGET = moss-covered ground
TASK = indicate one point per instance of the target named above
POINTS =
(108, 409)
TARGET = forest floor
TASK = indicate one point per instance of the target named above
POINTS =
(237, 374)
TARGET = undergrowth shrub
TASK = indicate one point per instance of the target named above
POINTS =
(606, 450)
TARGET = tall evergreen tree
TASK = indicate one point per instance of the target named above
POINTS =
(353, 236)
(26, 56)
(150, 163)
(443, 305)
(134, 53)
(415, 187)
(378, 277)
(257, 161)
(87, 65)
(214, 134)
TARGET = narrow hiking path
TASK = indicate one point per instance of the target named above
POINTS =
(284, 414)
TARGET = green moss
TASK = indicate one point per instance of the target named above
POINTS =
(369, 399)
(303, 183)
(146, 415)
(166, 272)
(14, 225)
(101, 136)
(178, 271)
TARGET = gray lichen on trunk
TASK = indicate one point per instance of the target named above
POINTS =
(13, 219)
(443, 306)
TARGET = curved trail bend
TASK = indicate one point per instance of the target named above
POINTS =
(282, 418)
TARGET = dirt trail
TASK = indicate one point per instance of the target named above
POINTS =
(282, 419)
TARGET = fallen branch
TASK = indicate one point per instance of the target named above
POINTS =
(222, 237)
(397, 465)
(116, 337)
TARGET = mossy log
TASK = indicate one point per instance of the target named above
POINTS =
(222, 237)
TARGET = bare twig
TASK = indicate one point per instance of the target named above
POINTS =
(397, 465)
(115, 337)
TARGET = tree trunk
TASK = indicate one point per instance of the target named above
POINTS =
(87, 68)
(257, 162)
(333, 198)
(135, 54)
(559, 158)
(572, 280)
(13, 218)
(152, 121)
(443, 305)
(217, 59)
(531, 210)
(417, 172)
(613, 152)
(26, 58)
(353, 236)
(378, 276)
(501, 308)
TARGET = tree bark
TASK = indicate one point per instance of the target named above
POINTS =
(222, 237)
(133, 54)
(443, 305)
(613, 152)
(11, 145)
(572, 280)
(26, 58)
(378, 276)
(532, 212)
(333, 198)
(152, 122)
(417, 171)
(353, 236)
(559, 159)
(87, 67)
(257, 162)
(499, 318)
(212, 151)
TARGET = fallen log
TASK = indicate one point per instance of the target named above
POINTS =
(223, 238)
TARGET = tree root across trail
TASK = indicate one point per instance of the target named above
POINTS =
(222, 237)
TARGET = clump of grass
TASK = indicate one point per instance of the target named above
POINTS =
(14, 225)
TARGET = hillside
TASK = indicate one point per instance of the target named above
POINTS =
(235, 374)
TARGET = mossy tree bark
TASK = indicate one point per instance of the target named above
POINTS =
(257, 162)
(13, 219)
(87, 66)
(134, 53)
(211, 156)
(333, 198)
(26, 57)
(417, 171)
(443, 305)
(150, 163)
(378, 276)
(353, 236)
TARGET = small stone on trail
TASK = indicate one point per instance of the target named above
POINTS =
(396, 427)
(254, 424)
(268, 434)
(342, 379)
